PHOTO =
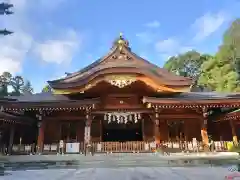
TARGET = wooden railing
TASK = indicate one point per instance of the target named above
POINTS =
(112, 147)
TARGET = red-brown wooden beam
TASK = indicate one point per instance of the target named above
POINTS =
(40, 139)
(57, 118)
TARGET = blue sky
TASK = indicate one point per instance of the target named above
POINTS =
(57, 36)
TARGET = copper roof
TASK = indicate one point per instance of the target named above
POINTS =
(120, 59)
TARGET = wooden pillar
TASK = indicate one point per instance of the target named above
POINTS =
(87, 130)
(101, 130)
(204, 132)
(40, 139)
(186, 135)
(234, 134)
(157, 129)
(143, 129)
(12, 132)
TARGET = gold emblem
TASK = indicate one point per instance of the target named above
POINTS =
(120, 81)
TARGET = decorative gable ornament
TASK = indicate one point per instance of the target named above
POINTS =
(121, 81)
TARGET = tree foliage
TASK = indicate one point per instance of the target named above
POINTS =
(187, 64)
(47, 88)
(13, 85)
(220, 72)
(5, 10)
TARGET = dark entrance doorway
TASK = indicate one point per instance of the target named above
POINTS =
(122, 132)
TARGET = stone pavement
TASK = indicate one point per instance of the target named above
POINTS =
(119, 156)
(119, 166)
(113, 161)
(137, 173)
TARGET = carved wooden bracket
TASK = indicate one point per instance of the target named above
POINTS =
(205, 112)
(198, 110)
(155, 117)
(149, 105)
(204, 109)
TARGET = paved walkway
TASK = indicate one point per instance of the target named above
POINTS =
(114, 161)
(162, 173)
(119, 156)
(119, 167)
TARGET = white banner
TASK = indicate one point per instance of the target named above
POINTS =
(53, 147)
(153, 145)
(72, 147)
(194, 141)
(146, 146)
(87, 130)
(87, 134)
(61, 144)
(99, 147)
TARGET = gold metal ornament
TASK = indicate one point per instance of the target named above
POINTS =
(120, 81)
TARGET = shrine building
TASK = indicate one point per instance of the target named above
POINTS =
(119, 98)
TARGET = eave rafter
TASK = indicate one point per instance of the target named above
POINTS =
(120, 81)
(7, 118)
(234, 117)
(189, 105)
(10, 121)
(50, 108)
(192, 104)
(87, 104)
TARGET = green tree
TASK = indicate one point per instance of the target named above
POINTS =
(27, 88)
(4, 10)
(221, 73)
(5, 80)
(14, 83)
(187, 64)
(230, 48)
(17, 84)
(47, 88)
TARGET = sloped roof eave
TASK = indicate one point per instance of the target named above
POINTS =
(81, 81)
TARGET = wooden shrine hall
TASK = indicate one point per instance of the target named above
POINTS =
(122, 98)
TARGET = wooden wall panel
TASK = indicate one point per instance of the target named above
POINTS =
(52, 132)
(124, 102)
(96, 130)
(224, 130)
(148, 129)
(192, 128)
(80, 131)
(164, 132)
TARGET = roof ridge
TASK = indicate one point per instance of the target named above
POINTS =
(87, 68)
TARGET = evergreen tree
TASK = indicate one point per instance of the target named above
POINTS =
(219, 72)
(4, 10)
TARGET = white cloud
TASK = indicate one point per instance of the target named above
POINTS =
(16, 47)
(167, 45)
(153, 24)
(13, 50)
(208, 24)
(59, 50)
(170, 47)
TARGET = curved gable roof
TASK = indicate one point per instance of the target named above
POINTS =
(119, 58)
